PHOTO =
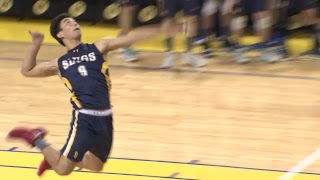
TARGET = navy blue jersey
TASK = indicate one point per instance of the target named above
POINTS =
(85, 73)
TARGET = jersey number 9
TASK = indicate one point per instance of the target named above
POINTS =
(82, 70)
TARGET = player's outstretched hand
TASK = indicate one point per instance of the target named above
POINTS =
(37, 37)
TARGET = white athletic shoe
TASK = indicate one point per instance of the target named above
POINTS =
(241, 58)
(168, 60)
(129, 55)
(193, 60)
(273, 55)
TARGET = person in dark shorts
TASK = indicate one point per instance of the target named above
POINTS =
(85, 73)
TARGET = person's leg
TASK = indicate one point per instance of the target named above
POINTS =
(274, 47)
(261, 15)
(239, 20)
(262, 25)
(99, 152)
(59, 163)
(262, 18)
(192, 11)
(209, 9)
(125, 22)
(125, 19)
(227, 11)
(89, 161)
(169, 33)
(79, 141)
(33, 136)
(93, 161)
(168, 10)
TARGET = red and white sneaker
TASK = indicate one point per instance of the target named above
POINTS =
(29, 135)
(44, 165)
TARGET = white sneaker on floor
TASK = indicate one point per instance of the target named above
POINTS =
(194, 60)
(168, 60)
(129, 55)
(241, 58)
(273, 55)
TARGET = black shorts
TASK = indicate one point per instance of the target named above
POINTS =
(302, 5)
(189, 7)
(88, 133)
(247, 7)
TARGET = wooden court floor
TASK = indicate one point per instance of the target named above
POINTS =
(258, 115)
(225, 121)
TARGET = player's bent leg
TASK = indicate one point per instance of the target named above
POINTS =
(33, 136)
(59, 163)
(91, 162)
(64, 166)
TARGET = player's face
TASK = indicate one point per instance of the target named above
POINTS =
(70, 29)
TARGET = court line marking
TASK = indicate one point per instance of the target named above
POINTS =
(174, 174)
(13, 149)
(187, 163)
(80, 169)
(91, 172)
(301, 165)
(147, 68)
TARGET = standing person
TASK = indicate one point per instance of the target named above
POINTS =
(260, 13)
(207, 18)
(125, 22)
(191, 10)
(85, 73)
(309, 10)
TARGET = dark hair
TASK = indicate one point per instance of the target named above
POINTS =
(55, 26)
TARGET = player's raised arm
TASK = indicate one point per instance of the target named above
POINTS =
(138, 34)
(30, 68)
